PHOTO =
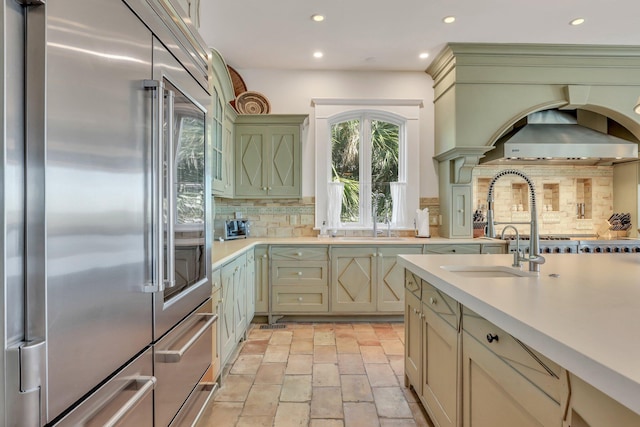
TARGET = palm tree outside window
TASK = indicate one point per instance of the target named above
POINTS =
(365, 157)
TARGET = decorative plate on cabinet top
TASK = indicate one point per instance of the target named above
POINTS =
(250, 102)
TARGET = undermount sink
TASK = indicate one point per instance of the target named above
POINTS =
(487, 271)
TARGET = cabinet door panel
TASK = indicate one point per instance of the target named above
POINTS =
(300, 273)
(250, 286)
(310, 299)
(262, 279)
(353, 283)
(496, 395)
(240, 300)
(413, 341)
(226, 320)
(391, 278)
(439, 373)
(284, 165)
(250, 168)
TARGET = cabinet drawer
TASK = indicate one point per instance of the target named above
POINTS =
(453, 249)
(305, 253)
(441, 303)
(299, 300)
(412, 284)
(299, 273)
(529, 363)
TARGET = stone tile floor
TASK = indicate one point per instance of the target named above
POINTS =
(318, 375)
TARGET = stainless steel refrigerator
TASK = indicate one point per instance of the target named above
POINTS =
(106, 241)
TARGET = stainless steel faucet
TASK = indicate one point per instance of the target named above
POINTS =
(534, 258)
(517, 258)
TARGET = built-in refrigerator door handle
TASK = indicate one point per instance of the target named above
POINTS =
(174, 356)
(157, 161)
(141, 384)
(170, 188)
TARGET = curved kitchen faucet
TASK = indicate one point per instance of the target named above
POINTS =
(534, 258)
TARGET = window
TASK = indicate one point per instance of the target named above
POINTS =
(362, 147)
(364, 157)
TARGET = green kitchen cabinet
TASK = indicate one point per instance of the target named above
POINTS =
(368, 279)
(222, 126)
(268, 156)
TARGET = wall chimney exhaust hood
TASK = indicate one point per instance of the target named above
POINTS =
(557, 137)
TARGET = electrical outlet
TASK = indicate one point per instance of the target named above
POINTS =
(433, 220)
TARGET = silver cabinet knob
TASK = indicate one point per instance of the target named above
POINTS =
(433, 301)
(299, 254)
(269, 188)
(264, 256)
(300, 299)
(299, 273)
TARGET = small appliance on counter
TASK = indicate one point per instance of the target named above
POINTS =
(231, 229)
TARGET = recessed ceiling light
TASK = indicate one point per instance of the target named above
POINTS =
(318, 54)
(577, 21)
(317, 17)
(424, 55)
(449, 19)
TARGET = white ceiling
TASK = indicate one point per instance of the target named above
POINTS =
(389, 34)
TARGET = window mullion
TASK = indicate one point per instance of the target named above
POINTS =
(365, 172)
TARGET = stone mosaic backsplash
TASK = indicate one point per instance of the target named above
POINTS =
(292, 217)
(560, 190)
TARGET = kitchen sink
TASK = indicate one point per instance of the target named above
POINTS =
(488, 271)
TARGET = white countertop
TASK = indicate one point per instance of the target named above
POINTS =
(586, 319)
(222, 252)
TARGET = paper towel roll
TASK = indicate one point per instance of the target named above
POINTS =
(422, 223)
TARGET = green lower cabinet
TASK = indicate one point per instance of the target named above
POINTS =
(366, 279)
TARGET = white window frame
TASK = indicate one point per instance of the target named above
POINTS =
(404, 113)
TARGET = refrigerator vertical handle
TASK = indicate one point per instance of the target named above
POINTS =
(170, 186)
(157, 160)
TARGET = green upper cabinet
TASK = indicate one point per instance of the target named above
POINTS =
(268, 154)
(222, 123)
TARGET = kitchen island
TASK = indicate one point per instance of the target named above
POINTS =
(578, 313)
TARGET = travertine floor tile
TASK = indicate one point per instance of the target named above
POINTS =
(397, 422)
(347, 345)
(326, 375)
(296, 388)
(300, 364)
(235, 388)
(326, 423)
(276, 353)
(360, 415)
(392, 347)
(391, 403)
(301, 346)
(292, 415)
(326, 402)
(262, 400)
(380, 375)
(318, 375)
(281, 337)
(324, 338)
(254, 421)
(246, 364)
(221, 414)
(325, 354)
(303, 332)
(270, 373)
(355, 388)
(259, 334)
(254, 347)
(397, 364)
(373, 354)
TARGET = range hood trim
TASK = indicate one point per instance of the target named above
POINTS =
(571, 143)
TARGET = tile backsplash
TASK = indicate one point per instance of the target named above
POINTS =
(291, 217)
(570, 199)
